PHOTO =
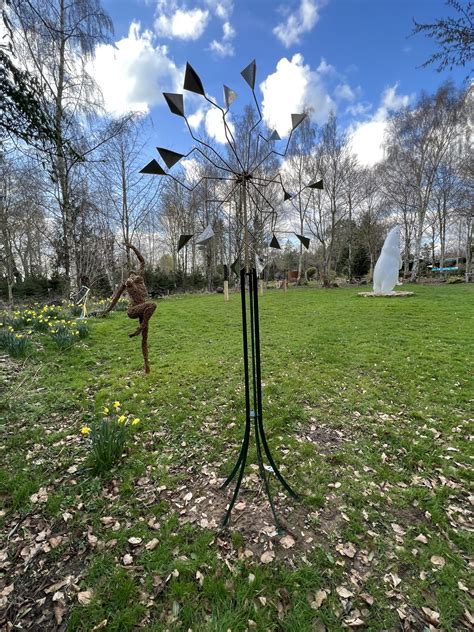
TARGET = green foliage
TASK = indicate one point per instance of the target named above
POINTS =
(311, 273)
(63, 336)
(108, 437)
(15, 344)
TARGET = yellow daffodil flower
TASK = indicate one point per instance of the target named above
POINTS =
(121, 419)
(105, 410)
(85, 430)
(135, 421)
(116, 404)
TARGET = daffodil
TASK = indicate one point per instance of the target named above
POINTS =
(135, 421)
(85, 430)
(121, 419)
(116, 404)
(105, 410)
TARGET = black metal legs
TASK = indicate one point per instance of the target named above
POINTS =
(248, 281)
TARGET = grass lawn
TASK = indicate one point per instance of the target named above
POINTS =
(367, 405)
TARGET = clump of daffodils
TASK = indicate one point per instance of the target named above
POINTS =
(17, 327)
(108, 436)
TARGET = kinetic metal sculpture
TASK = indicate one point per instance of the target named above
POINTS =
(243, 171)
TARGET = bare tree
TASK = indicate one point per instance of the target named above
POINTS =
(453, 35)
(419, 138)
(329, 207)
(55, 39)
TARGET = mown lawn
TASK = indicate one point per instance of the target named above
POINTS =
(367, 407)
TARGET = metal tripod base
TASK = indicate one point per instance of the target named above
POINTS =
(253, 390)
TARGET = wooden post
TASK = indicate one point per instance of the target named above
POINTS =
(226, 290)
(261, 286)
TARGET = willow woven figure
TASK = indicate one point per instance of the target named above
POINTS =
(139, 307)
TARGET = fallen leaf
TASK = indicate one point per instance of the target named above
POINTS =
(319, 597)
(354, 622)
(431, 615)
(437, 560)
(41, 496)
(398, 529)
(200, 577)
(347, 549)
(395, 579)
(267, 557)
(127, 559)
(7, 590)
(84, 597)
(135, 541)
(152, 544)
(421, 538)
(58, 596)
(343, 592)
(59, 611)
(287, 542)
(367, 598)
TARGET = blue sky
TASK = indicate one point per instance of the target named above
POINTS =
(353, 56)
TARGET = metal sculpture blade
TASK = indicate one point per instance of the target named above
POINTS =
(235, 267)
(286, 195)
(192, 82)
(275, 135)
(297, 119)
(274, 243)
(153, 168)
(206, 235)
(304, 240)
(183, 240)
(175, 103)
(170, 158)
(259, 264)
(229, 96)
(249, 73)
(315, 185)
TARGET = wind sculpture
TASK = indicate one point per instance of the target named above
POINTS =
(249, 173)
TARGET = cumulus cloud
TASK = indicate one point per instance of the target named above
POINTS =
(212, 120)
(291, 89)
(224, 48)
(133, 73)
(221, 8)
(298, 23)
(368, 136)
(173, 21)
(343, 91)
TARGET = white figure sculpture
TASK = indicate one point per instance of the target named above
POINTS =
(388, 264)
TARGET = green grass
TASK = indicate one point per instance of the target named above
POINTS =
(391, 375)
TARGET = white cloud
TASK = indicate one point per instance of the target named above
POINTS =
(224, 48)
(196, 119)
(134, 72)
(173, 21)
(367, 137)
(343, 91)
(324, 68)
(298, 23)
(221, 8)
(213, 124)
(291, 89)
